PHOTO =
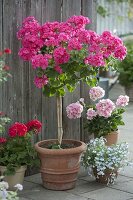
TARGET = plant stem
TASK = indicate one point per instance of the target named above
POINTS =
(59, 119)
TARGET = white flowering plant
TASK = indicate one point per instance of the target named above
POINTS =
(101, 118)
(9, 195)
(101, 157)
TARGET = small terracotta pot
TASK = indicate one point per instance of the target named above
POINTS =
(59, 167)
(12, 180)
(111, 138)
(107, 178)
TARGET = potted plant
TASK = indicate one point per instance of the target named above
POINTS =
(125, 69)
(105, 161)
(5, 194)
(17, 151)
(63, 54)
(102, 118)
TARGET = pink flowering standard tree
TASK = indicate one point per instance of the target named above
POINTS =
(65, 53)
(103, 117)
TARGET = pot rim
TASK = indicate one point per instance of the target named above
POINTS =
(17, 169)
(75, 150)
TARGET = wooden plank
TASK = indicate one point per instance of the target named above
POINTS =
(8, 90)
(26, 7)
(51, 11)
(88, 10)
(35, 95)
(71, 127)
(17, 79)
(1, 43)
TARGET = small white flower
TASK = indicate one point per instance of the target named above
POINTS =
(81, 100)
(1, 177)
(3, 194)
(19, 187)
(4, 185)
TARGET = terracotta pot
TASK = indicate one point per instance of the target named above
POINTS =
(111, 138)
(18, 177)
(107, 178)
(59, 167)
(129, 92)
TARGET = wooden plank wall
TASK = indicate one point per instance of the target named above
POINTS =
(19, 97)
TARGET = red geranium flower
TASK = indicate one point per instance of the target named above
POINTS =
(2, 140)
(7, 50)
(17, 129)
(34, 125)
(6, 68)
(1, 53)
(2, 113)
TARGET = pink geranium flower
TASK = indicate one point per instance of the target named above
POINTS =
(122, 101)
(91, 113)
(105, 107)
(96, 93)
(41, 81)
(74, 110)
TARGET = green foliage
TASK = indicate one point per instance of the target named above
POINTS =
(101, 126)
(102, 11)
(73, 72)
(4, 74)
(125, 68)
(3, 121)
(17, 151)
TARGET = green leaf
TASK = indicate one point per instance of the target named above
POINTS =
(61, 92)
(48, 91)
(70, 87)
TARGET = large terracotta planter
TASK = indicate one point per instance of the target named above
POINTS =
(59, 167)
(12, 180)
(111, 138)
(129, 92)
(108, 178)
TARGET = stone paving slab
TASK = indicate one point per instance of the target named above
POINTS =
(119, 179)
(128, 171)
(43, 194)
(108, 194)
(36, 178)
(86, 187)
(124, 186)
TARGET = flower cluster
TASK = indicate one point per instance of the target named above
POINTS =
(122, 100)
(4, 194)
(102, 157)
(102, 118)
(17, 149)
(74, 110)
(34, 125)
(4, 69)
(105, 108)
(59, 49)
(20, 130)
(96, 93)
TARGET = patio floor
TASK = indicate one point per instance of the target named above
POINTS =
(87, 188)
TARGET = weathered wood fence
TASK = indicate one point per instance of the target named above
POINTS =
(118, 19)
(19, 98)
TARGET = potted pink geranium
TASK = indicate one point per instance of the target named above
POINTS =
(103, 117)
(62, 54)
